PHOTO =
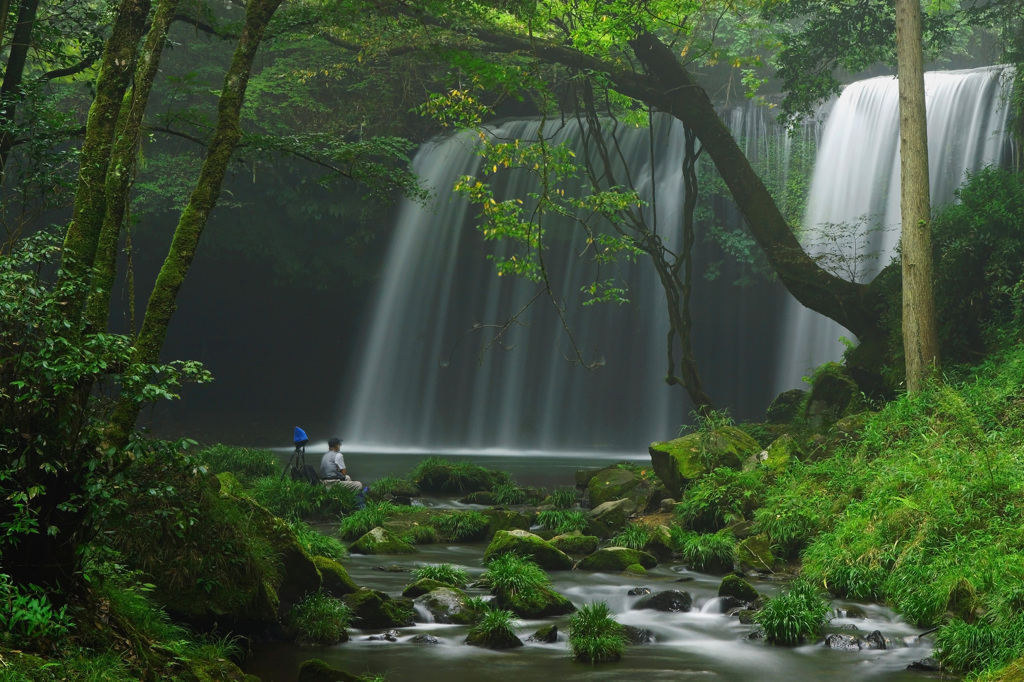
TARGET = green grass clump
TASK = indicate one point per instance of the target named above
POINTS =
(511, 574)
(795, 616)
(634, 536)
(359, 523)
(461, 526)
(386, 484)
(564, 520)
(420, 535)
(594, 636)
(442, 573)
(439, 475)
(496, 625)
(317, 543)
(292, 499)
(246, 464)
(704, 552)
(719, 497)
(320, 618)
(509, 493)
(563, 497)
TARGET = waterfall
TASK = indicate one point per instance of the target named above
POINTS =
(424, 381)
(853, 210)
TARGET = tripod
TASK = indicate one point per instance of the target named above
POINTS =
(297, 461)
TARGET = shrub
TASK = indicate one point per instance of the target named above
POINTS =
(594, 636)
(420, 535)
(462, 525)
(320, 618)
(511, 574)
(26, 614)
(509, 493)
(439, 475)
(442, 573)
(792, 517)
(245, 464)
(564, 520)
(386, 484)
(707, 552)
(796, 615)
(563, 497)
(317, 543)
(292, 499)
(634, 536)
(361, 522)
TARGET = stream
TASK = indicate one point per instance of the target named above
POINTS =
(703, 644)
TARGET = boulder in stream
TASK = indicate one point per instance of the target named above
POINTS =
(334, 578)
(447, 605)
(637, 635)
(576, 543)
(527, 544)
(541, 602)
(755, 553)
(670, 600)
(381, 541)
(374, 609)
(614, 483)
(546, 635)
(422, 587)
(616, 560)
(734, 586)
(493, 639)
(315, 670)
(613, 515)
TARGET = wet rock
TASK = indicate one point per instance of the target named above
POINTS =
(425, 639)
(502, 519)
(389, 636)
(746, 616)
(670, 600)
(315, 670)
(484, 497)
(528, 544)
(730, 605)
(680, 461)
(635, 570)
(834, 394)
(639, 591)
(851, 611)
(925, 664)
(334, 578)
(635, 635)
(613, 515)
(876, 640)
(660, 544)
(576, 543)
(667, 506)
(402, 500)
(493, 640)
(393, 568)
(374, 609)
(447, 605)
(755, 554)
(546, 635)
(613, 483)
(381, 541)
(616, 560)
(685, 579)
(539, 603)
(842, 642)
(734, 586)
(756, 634)
(422, 587)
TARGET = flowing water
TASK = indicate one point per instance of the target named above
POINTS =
(702, 644)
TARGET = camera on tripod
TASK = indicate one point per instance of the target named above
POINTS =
(297, 467)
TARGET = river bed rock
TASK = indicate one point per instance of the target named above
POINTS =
(527, 544)
(670, 600)
(612, 515)
(734, 586)
(616, 560)
(576, 543)
(374, 609)
(447, 605)
(381, 541)
(315, 670)
(679, 461)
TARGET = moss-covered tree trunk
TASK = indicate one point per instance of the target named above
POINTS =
(116, 68)
(121, 169)
(162, 300)
(920, 328)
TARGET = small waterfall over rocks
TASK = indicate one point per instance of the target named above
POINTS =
(853, 210)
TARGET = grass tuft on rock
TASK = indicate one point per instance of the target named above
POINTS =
(594, 636)
(319, 619)
(442, 573)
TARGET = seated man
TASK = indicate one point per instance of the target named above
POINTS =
(332, 467)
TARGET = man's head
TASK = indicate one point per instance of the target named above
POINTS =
(334, 443)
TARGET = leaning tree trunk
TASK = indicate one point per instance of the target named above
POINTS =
(193, 219)
(920, 329)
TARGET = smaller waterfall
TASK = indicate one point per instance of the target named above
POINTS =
(853, 210)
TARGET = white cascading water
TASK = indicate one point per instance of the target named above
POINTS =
(422, 382)
(856, 183)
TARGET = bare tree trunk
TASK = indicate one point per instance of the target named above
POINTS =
(10, 91)
(920, 330)
(161, 306)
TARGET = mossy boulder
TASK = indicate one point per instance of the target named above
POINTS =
(373, 609)
(734, 586)
(381, 541)
(660, 544)
(679, 461)
(676, 601)
(447, 605)
(755, 554)
(334, 578)
(614, 483)
(834, 394)
(782, 451)
(502, 519)
(421, 587)
(849, 429)
(492, 639)
(527, 544)
(613, 515)
(484, 497)
(537, 603)
(616, 560)
(576, 543)
(635, 570)
(786, 406)
(583, 477)
(315, 670)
